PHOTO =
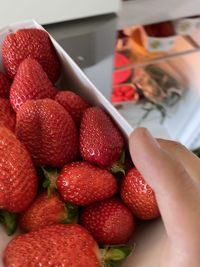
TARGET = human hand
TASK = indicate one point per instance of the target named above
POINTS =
(174, 174)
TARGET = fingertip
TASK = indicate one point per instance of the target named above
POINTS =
(146, 154)
(136, 138)
(142, 142)
(173, 186)
(138, 133)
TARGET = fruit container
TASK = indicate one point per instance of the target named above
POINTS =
(158, 43)
(149, 236)
(186, 26)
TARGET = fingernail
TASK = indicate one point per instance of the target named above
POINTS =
(145, 136)
(150, 138)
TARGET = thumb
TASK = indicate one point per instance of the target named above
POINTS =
(175, 191)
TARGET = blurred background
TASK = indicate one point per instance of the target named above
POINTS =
(143, 55)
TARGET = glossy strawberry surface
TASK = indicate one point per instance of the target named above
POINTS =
(45, 210)
(30, 82)
(100, 140)
(30, 43)
(48, 131)
(55, 245)
(7, 114)
(82, 183)
(73, 103)
(18, 180)
(109, 221)
(139, 196)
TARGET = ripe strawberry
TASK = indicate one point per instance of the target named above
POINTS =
(73, 103)
(18, 181)
(81, 183)
(30, 43)
(30, 82)
(100, 140)
(45, 210)
(5, 84)
(7, 115)
(109, 221)
(48, 132)
(55, 245)
(139, 196)
(60, 245)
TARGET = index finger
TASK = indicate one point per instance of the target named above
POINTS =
(189, 160)
(176, 193)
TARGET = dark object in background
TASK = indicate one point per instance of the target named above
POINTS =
(158, 85)
(197, 152)
(163, 29)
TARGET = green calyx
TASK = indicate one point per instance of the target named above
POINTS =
(119, 165)
(71, 211)
(9, 220)
(49, 183)
(71, 214)
(110, 255)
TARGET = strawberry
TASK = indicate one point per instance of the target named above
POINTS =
(7, 115)
(81, 183)
(100, 140)
(5, 84)
(55, 245)
(30, 82)
(45, 210)
(48, 131)
(18, 181)
(30, 43)
(139, 196)
(60, 245)
(73, 103)
(123, 93)
(109, 221)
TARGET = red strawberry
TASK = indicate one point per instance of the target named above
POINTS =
(139, 196)
(45, 210)
(109, 221)
(81, 183)
(18, 181)
(55, 245)
(48, 132)
(73, 103)
(30, 43)
(5, 84)
(123, 93)
(7, 115)
(59, 245)
(31, 82)
(100, 140)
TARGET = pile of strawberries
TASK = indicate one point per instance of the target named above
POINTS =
(123, 93)
(64, 178)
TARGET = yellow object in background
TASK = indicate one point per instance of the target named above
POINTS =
(138, 48)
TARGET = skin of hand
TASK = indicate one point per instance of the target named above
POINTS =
(174, 174)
